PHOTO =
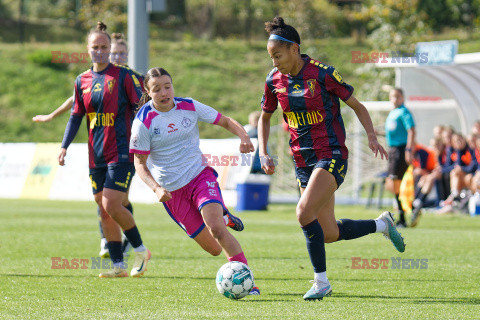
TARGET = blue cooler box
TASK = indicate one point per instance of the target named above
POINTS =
(253, 193)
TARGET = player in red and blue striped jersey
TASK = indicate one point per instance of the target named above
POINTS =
(107, 95)
(118, 55)
(308, 93)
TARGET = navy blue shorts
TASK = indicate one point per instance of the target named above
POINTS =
(337, 167)
(116, 176)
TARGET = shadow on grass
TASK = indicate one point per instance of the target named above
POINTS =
(44, 275)
(420, 300)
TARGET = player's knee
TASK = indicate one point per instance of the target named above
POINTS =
(330, 237)
(302, 214)
(217, 231)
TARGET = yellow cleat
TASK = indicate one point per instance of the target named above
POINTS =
(140, 263)
(116, 272)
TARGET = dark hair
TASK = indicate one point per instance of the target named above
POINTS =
(279, 28)
(399, 90)
(152, 73)
(119, 38)
(100, 29)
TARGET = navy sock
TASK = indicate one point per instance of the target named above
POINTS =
(353, 229)
(129, 208)
(115, 249)
(134, 237)
(315, 245)
(100, 224)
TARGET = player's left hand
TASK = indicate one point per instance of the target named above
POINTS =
(376, 147)
(246, 146)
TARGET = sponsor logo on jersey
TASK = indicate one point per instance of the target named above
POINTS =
(156, 130)
(172, 128)
(299, 119)
(297, 89)
(280, 90)
(213, 192)
(101, 119)
(97, 87)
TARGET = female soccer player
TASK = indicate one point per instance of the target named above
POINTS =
(107, 94)
(165, 130)
(308, 92)
(118, 55)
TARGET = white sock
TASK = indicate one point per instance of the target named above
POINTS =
(454, 192)
(381, 226)
(321, 277)
(141, 248)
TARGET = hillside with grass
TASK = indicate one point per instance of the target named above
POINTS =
(228, 75)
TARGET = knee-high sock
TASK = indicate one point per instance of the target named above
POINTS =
(353, 229)
(133, 235)
(239, 257)
(115, 250)
(315, 245)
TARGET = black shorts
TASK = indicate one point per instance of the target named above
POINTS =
(337, 167)
(397, 166)
(116, 176)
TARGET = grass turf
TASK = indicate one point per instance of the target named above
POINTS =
(180, 282)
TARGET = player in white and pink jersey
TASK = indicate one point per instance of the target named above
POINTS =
(165, 132)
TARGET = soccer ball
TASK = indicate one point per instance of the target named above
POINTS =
(234, 280)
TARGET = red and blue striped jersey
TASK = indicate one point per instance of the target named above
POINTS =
(108, 99)
(311, 107)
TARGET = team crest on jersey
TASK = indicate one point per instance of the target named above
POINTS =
(311, 86)
(97, 87)
(186, 122)
(111, 84)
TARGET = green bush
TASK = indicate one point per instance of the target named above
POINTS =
(45, 58)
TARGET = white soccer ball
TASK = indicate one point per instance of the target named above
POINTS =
(234, 280)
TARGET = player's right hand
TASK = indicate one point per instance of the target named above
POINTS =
(268, 165)
(42, 118)
(163, 194)
(61, 156)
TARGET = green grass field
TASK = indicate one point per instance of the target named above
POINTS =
(180, 282)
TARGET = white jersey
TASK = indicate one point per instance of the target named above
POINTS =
(171, 140)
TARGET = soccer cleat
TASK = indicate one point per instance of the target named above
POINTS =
(255, 291)
(234, 222)
(391, 232)
(116, 272)
(318, 291)
(104, 253)
(140, 263)
(416, 214)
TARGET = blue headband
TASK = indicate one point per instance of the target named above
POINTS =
(277, 37)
